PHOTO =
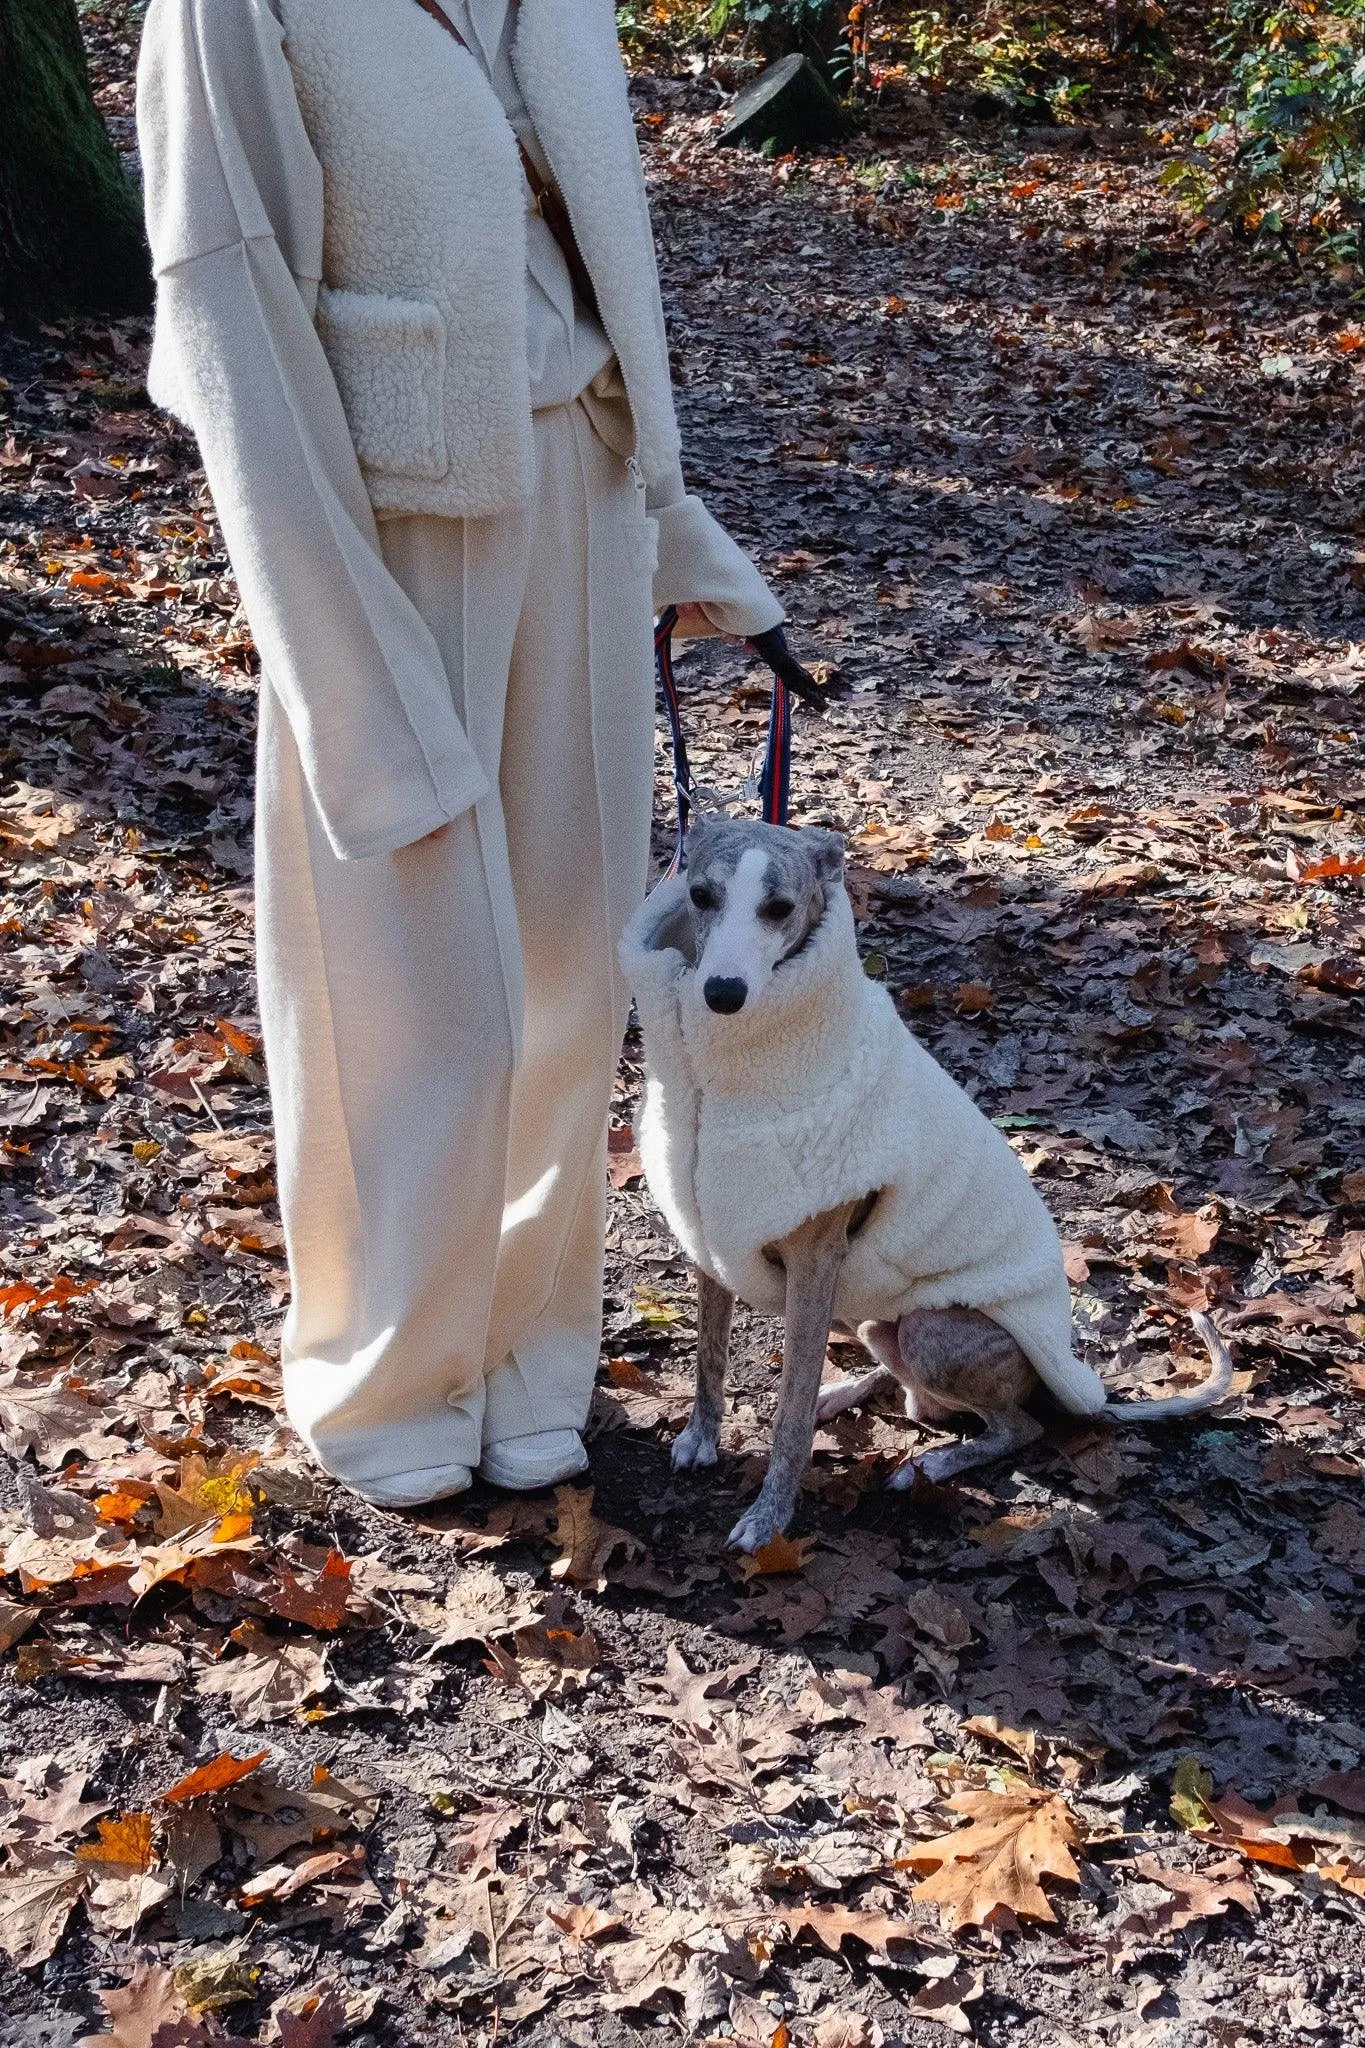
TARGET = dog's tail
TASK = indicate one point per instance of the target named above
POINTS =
(1173, 1406)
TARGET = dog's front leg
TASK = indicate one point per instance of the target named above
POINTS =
(697, 1443)
(812, 1256)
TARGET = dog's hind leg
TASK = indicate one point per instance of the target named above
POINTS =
(697, 1444)
(850, 1393)
(958, 1360)
(812, 1256)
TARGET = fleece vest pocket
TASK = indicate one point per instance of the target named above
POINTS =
(388, 356)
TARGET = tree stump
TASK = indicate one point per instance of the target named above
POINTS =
(71, 238)
(788, 106)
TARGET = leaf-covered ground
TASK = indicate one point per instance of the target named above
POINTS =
(1070, 504)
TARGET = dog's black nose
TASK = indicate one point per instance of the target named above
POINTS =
(726, 993)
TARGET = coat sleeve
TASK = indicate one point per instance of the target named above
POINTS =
(700, 564)
(234, 217)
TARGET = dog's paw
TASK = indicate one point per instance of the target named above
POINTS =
(757, 1528)
(905, 1476)
(936, 1465)
(694, 1446)
(832, 1402)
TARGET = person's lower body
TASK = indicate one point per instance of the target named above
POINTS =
(442, 1024)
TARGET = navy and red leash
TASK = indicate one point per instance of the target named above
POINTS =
(789, 678)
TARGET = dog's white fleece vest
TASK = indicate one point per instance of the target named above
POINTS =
(422, 308)
(816, 1094)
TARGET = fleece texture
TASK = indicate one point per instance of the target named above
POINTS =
(426, 213)
(817, 1094)
(424, 254)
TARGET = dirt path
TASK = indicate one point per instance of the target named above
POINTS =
(1068, 503)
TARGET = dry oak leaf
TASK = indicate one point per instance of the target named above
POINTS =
(943, 1998)
(39, 1888)
(107, 1660)
(847, 2030)
(478, 1607)
(695, 1697)
(831, 1925)
(474, 1851)
(213, 1777)
(1199, 1894)
(778, 1555)
(15, 1621)
(317, 1601)
(42, 1806)
(271, 1680)
(579, 1923)
(146, 2004)
(318, 2026)
(545, 1660)
(271, 1818)
(51, 1420)
(586, 1545)
(994, 1864)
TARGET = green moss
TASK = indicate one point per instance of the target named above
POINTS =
(71, 236)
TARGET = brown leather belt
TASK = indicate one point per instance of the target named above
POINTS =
(548, 203)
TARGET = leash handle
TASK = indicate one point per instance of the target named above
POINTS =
(774, 782)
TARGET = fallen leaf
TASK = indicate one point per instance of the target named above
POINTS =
(847, 2030)
(140, 2009)
(125, 1843)
(213, 1777)
(319, 1600)
(271, 1679)
(479, 1605)
(995, 1863)
(943, 1999)
(39, 1888)
(51, 1420)
(1199, 1894)
(780, 1554)
(586, 1545)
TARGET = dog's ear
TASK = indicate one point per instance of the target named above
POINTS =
(828, 848)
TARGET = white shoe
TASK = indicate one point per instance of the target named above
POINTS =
(522, 1463)
(414, 1489)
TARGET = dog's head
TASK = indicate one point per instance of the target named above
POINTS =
(757, 893)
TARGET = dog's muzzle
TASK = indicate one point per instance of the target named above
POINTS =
(725, 993)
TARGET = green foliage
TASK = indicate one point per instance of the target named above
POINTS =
(1284, 161)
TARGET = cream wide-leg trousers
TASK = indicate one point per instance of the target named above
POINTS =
(442, 1024)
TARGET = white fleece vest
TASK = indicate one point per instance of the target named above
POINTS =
(422, 310)
(817, 1094)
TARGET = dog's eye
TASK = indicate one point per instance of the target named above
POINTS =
(777, 910)
(702, 897)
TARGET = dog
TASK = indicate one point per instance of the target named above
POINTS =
(813, 1159)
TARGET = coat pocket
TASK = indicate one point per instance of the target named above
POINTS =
(388, 356)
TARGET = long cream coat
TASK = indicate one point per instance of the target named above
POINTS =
(442, 1015)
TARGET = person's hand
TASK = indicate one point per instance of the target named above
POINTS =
(693, 624)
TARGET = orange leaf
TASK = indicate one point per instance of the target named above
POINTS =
(318, 1602)
(1279, 1853)
(127, 1840)
(244, 1348)
(1330, 869)
(124, 1505)
(779, 1554)
(225, 1770)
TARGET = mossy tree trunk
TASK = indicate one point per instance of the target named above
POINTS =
(71, 238)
